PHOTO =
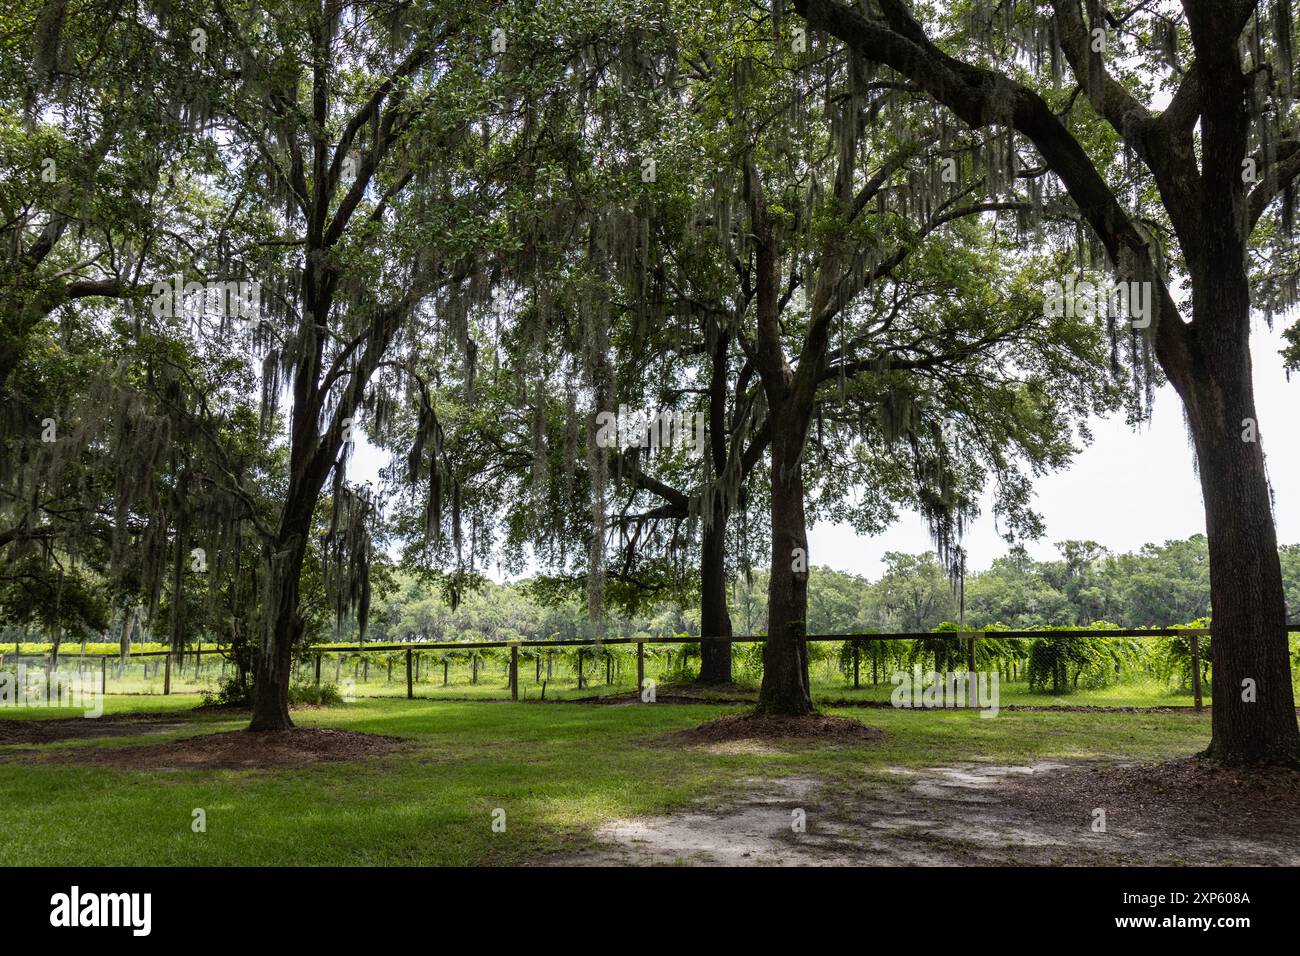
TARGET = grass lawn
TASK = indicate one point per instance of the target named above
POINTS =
(557, 770)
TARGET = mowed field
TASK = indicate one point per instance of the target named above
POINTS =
(570, 783)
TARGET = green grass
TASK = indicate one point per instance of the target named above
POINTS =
(1127, 694)
(557, 771)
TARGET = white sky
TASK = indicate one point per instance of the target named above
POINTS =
(1128, 488)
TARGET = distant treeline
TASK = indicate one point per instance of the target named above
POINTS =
(1157, 586)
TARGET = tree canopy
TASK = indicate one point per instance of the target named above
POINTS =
(630, 294)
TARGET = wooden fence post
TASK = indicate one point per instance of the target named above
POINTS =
(514, 672)
(640, 665)
(1196, 668)
(167, 673)
(972, 681)
(856, 685)
(580, 668)
(410, 690)
(103, 676)
(318, 670)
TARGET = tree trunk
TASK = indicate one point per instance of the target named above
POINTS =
(1207, 360)
(275, 656)
(1249, 646)
(55, 640)
(785, 688)
(715, 620)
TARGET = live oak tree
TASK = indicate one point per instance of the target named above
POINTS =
(870, 308)
(696, 248)
(355, 131)
(1210, 190)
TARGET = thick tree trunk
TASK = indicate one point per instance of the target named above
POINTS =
(785, 687)
(275, 655)
(715, 621)
(1254, 719)
(310, 458)
(1207, 360)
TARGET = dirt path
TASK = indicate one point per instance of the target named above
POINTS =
(963, 814)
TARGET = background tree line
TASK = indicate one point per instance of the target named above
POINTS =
(1159, 585)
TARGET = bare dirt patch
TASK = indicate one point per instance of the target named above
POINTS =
(977, 814)
(1186, 810)
(238, 750)
(672, 694)
(42, 731)
(821, 728)
(752, 831)
(629, 700)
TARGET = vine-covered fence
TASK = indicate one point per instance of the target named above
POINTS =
(570, 665)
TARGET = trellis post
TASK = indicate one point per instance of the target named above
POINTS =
(972, 679)
(514, 672)
(1196, 668)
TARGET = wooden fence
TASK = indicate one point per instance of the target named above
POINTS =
(970, 637)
